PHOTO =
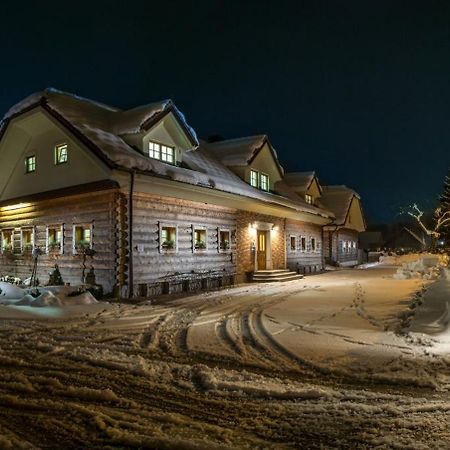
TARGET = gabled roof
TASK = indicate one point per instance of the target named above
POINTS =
(338, 199)
(301, 181)
(242, 151)
(100, 124)
(101, 127)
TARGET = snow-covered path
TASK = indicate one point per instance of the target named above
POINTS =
(315, 363)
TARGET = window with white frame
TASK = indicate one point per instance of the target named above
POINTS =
(61, 154)
(82, 237)
(168, 238)
(224, 240)
(313, 244)
(293, 243)
(264, 182)
(254, 178)
(55, 238)
(353, 246)
(30, 164)
(26, 240)
(303, 243)
(318, 246)
(7, 237)
(308, 199)
(199, 239)
(161, 152)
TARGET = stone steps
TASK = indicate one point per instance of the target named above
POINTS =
(270, 276)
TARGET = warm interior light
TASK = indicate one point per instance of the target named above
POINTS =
(16, 206)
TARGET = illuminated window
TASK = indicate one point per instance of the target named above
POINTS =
(61, 154)
(224, 240)
(199, 239)
(254, 178)
(303, 243)
(55, 239)
(82, 237)
(161, 152)
(167, 154)
(313, 244)
(308, 199)
(26, 240)
(7, 241)
(264, 182)
(168, 238)
(30, 164)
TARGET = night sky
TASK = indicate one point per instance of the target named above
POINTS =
(357, 90)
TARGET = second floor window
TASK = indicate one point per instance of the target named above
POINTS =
(259, 180)
(161, 152)
(308, 199)
(264, 182)
(30, 164)
(61, 154)
(254, 178)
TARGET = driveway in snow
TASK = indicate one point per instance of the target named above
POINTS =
(330, 361)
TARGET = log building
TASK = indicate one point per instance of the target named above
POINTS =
(162, 210)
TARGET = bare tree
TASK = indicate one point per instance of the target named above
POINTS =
(441, 220)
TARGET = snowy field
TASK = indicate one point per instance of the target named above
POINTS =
(358, 358)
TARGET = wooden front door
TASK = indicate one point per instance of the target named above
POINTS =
(261, 256)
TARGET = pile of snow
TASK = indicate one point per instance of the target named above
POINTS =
(55, 296)
(425, 267)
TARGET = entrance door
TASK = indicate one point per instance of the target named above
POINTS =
(261, 250)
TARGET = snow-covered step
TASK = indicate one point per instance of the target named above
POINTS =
(267, 276)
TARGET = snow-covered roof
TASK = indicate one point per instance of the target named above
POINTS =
(220, 177)
(102, 127)
(241, 151)
(300, 181)
(338, 200)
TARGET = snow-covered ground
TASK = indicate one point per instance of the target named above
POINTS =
(348, 359)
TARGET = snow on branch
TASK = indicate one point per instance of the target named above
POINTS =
(441, 220)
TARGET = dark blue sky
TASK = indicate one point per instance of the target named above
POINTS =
(357, 90)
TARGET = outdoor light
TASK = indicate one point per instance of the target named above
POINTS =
(16, 206)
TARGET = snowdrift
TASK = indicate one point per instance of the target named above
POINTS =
(55, 296)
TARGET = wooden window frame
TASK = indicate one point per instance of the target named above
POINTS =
(311, 248)
(199, 228)
(47, 235)
(256, 173)
(89, 225)
(261, 175)
(2, 238)
(27, 166)
(309, 199)
(160, 152)
(303, 249)
(33, 239)
(292, 250)
(162, 249)
(219, 240)
(59, 147)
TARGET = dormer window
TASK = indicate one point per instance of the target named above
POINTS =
(264, 182)
(161, 152)
(308, 199)
(254, 178)
(259, 180)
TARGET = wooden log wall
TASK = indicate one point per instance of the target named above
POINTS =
(98, 209)
(306, 261)
(150, 265)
